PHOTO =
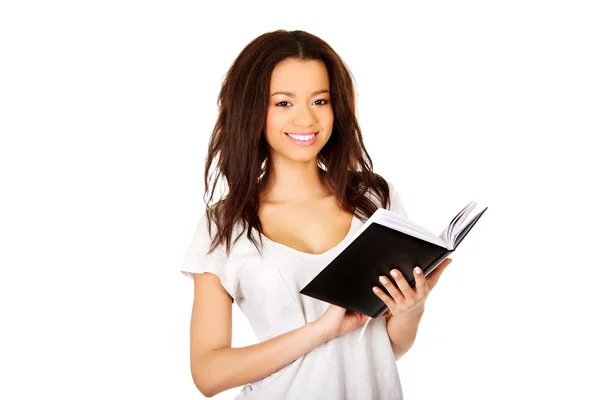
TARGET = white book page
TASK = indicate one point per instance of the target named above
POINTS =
(460, 222)
(472, 211)
(447, 238)
(401, 224)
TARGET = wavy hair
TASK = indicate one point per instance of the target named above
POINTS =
(238, 150)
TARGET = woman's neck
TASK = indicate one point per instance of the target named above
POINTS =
(296, 182)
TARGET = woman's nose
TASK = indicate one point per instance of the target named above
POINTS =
(304, 117)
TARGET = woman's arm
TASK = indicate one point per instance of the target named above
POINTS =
(402, 330)
(215, 365)
(406, 305)
(226, 368)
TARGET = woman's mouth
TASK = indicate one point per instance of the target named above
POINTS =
(302, 139)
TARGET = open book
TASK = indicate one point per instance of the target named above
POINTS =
(386, 241)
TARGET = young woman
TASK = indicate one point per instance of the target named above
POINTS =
(300, 184)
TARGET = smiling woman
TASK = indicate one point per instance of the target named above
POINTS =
(300, 184)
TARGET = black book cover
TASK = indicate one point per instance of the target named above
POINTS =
(347, 281)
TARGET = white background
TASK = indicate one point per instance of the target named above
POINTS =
(105, 113)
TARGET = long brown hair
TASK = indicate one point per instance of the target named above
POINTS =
(239, 151)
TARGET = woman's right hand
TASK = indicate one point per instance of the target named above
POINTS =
(336, 321)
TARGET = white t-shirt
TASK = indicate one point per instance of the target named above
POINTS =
(266, 289)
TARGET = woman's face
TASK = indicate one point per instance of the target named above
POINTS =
(299, 116)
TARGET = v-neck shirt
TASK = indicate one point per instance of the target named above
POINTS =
(266, 289)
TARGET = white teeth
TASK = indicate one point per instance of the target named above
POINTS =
(303, 138)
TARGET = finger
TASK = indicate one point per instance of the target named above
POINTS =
(391, 288)
(432, 278)
(384, 297)
(420, 282)
(403, 285)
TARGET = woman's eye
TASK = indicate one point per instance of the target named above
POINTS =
(324, 102)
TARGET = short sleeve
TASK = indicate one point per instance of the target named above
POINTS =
(196, 259)
(395, 201)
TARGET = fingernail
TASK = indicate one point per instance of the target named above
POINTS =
(394, 274)
(382, 279)
(418, 270)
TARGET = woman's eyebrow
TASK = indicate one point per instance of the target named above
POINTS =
(290, 94)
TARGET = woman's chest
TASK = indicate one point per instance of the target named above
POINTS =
(312, 228)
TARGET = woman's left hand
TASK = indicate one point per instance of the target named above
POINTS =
(404, 299)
